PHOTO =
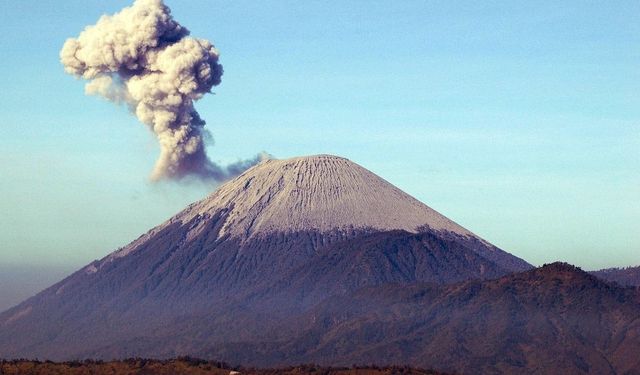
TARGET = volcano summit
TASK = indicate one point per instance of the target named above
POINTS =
(322, 193)
(262, 250)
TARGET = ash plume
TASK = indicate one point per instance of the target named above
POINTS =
(143, 58)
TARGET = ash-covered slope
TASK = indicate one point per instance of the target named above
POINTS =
(317, 193)
(320, 194)
(212, 273)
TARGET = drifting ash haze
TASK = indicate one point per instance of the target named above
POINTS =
(143, 58)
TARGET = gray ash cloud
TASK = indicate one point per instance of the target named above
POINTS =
(143, 58)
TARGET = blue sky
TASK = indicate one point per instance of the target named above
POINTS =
(520, 120)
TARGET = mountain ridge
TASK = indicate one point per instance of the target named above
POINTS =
(627, 276)
(552, 319)
(238, 205)
(259, 251)
(549, 320)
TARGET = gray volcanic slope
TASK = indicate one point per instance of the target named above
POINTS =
(263, 248)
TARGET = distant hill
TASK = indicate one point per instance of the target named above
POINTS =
(556, 319)
(629, 276)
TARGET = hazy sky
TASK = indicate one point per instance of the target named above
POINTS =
(518, 120)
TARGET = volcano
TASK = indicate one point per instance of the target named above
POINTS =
(265, 248)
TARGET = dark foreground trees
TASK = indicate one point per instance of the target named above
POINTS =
(187, 366)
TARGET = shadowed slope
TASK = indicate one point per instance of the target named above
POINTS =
(551, 320)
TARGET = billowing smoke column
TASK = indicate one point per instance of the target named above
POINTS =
(143, 58)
